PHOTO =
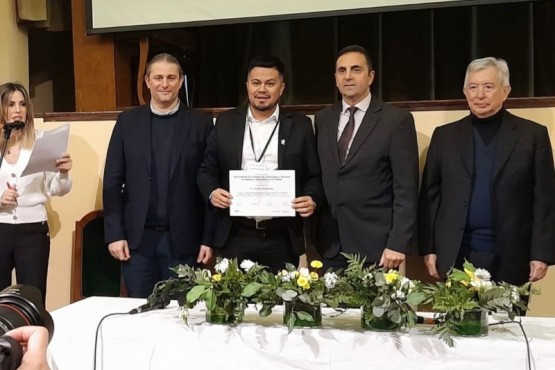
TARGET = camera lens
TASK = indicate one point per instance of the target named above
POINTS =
(20, 305)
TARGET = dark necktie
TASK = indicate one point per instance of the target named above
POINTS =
(346, 135)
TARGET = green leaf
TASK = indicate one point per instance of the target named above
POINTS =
(251, 289)
(415, 298)
(302, 315)
(265, 311)
(394, 316)
(210, 300)
(195, 293)
(378, 311)
(288, 295)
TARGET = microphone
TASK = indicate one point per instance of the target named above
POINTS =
(160, 302)
(15, 125)
(8, 127)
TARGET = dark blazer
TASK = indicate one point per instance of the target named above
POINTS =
(372, 198)
(522, 191)
(296, 151)
(126, 190)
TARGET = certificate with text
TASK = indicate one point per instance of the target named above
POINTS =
(262, 193)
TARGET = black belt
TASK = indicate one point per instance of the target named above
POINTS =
(157, 227)
(273, 223)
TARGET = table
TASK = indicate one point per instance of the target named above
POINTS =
(160, 340)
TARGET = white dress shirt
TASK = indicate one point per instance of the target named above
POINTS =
(261, 132)
(359, 115)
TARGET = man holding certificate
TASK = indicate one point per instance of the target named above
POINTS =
(261, 174)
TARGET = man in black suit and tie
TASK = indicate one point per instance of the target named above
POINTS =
(261, 136)
(488, 189)
(369, 158)
(153, 212)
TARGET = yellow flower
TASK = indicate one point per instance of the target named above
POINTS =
(464, 282)
(217, 277)
(448, 284)
(469, 273)
(302, 281)
(313, 275)
(391, 276)
(316, 264)
(296, 273)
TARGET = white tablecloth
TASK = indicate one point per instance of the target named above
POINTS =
(159, 340)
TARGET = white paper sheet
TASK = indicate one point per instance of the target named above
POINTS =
(262, 193)
(51, 146)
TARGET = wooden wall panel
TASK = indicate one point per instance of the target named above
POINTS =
(94, 64)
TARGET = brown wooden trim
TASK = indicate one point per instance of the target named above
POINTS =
(144, 47)
(310, 109)
(77, 255)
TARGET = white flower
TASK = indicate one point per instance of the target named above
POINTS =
(285, 276)
(399, 294)
(368, 276)
(330, 279)
(481, 284)
(222, 266)
(304, 272)
(247, 265)
(515, 297)
(482, 274)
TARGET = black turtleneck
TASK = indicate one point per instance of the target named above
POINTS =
(487, 127)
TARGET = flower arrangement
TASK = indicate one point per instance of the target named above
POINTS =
(472, 290)
(174, 288)
(227, 291)
(303, 291)
(387, 297)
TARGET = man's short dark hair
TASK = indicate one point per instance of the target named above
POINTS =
(266, 61)
(356, 49)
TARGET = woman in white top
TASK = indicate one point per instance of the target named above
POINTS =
(24, 238)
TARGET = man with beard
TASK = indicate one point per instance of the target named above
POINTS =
(261, 136)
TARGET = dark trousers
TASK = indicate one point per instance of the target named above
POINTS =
(150, 263)
(25, 247)
(269, 247)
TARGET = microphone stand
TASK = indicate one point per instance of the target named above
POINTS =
(7, 133)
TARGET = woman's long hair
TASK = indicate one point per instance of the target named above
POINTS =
(27, 138)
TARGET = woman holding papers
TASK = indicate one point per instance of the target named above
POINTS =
(24, 237)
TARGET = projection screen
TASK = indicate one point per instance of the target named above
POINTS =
(126, 15)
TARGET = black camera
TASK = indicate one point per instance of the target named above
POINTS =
(20, 305)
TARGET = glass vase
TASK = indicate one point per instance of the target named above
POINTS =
(473, 324)
(302, 314)
(226, 313)
(369, 321)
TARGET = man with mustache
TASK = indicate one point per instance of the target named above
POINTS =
(261, 136)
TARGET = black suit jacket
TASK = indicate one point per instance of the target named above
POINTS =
(296, 151)
(372, 198)
(126, 190)
(522, 190)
